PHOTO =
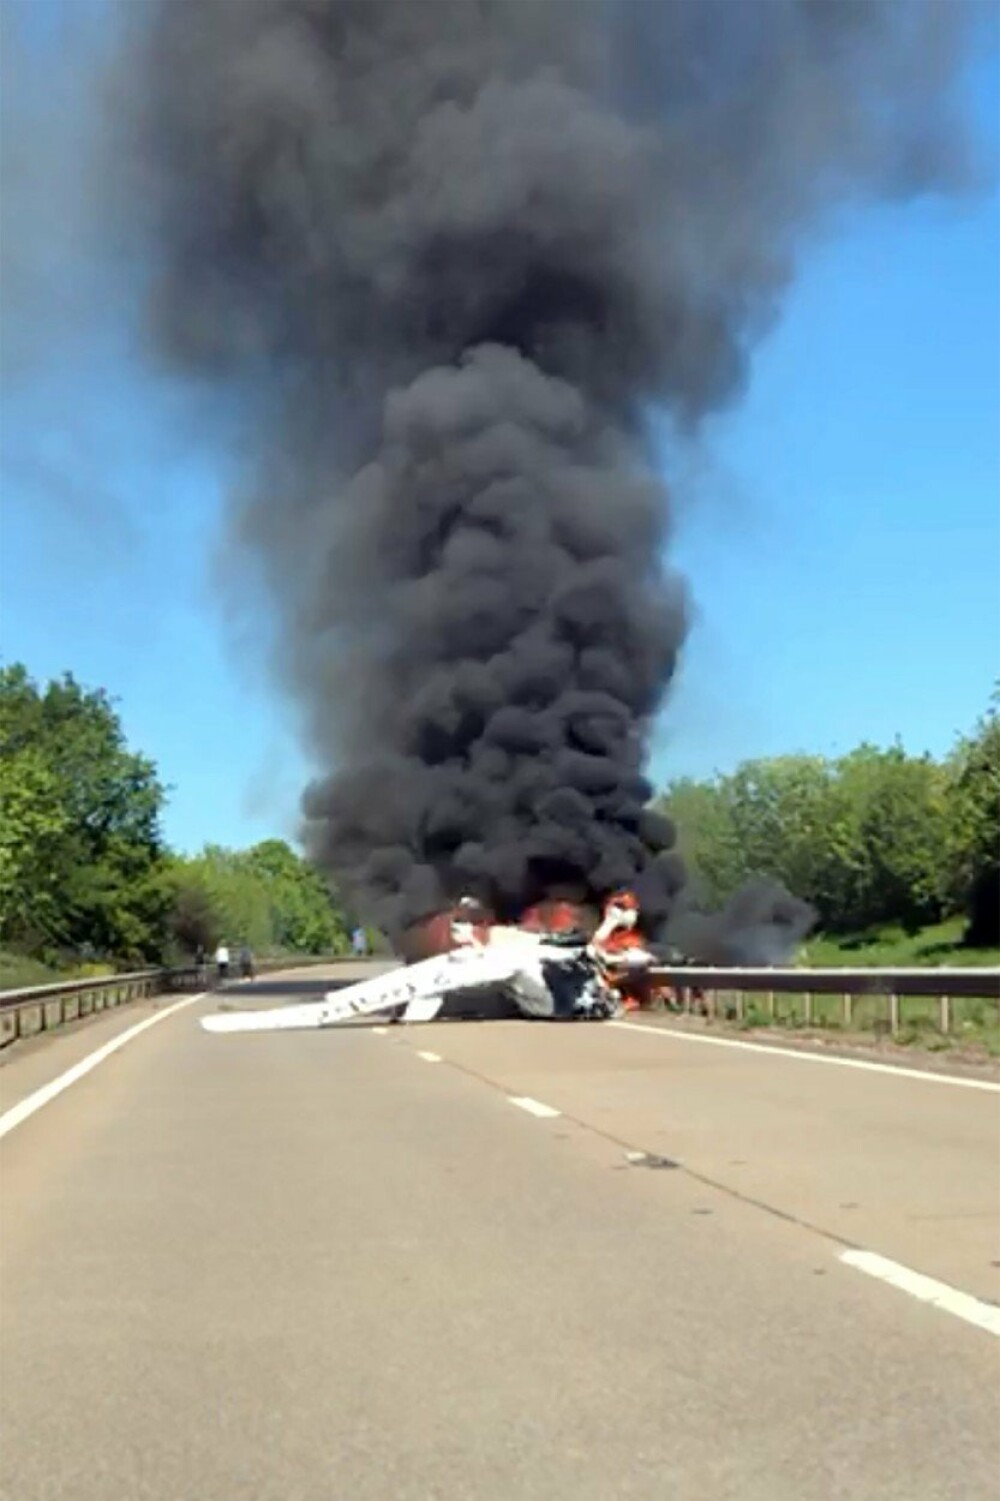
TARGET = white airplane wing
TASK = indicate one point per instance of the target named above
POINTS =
(420, 988)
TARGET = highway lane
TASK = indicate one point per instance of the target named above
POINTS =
(905, 1166)
(35, 1060)
(305, 1266)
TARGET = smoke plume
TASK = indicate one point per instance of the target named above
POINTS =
(450, 255)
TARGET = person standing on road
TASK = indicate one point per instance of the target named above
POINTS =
(222, 962)
(359, 943)
(246, 963)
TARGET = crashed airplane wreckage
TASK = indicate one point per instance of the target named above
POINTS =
(545, 976)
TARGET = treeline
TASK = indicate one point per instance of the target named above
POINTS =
(266, 897)
(869, 838)
(85, 874)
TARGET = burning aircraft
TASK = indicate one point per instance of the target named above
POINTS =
(556, 976)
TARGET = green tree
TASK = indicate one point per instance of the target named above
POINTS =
(860, 838)
(267, 897)
(777, 817)
(304, 915)
(781, 811)
(973, 812)
(34, 824)
(81, 851)
(894, 821)
(706, 835)
(195, 921)
(239, 898)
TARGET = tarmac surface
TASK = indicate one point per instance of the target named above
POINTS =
(507, 1260)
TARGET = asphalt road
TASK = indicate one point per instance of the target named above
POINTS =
(313, 1266)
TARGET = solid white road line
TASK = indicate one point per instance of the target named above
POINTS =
(430, 1057)
(26, 1108)
(533, 1107)
(802, 1055)
(949, 1299)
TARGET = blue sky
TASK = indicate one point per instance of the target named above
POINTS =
(840, 529)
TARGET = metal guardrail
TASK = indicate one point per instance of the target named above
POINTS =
(29, 1010)
(40, 1008)
(716, 991)
(713, 991)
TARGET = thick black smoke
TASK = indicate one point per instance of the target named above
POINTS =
(450, 254)
(761, 924)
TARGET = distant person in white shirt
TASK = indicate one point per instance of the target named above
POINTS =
(359, 943)
(222, 962)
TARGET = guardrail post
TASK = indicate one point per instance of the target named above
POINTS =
(848, 1012)
(894, 1013)
(740, 1005)
(944, 1013)
(808, 1008)
(770, 1005)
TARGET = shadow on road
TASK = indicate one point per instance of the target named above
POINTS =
(251, 989)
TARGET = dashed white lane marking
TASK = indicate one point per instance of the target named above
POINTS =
(380, 1031)
(27, 1107)
(533, 1107)
(430, 1057)
(802, 1056)
(962, 1305)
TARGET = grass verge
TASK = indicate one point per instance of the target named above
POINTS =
(17, 971)
(891, 947)
(975, 1023)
